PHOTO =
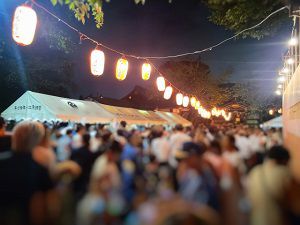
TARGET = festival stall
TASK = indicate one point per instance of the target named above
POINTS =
(273, 123)
(42, 107)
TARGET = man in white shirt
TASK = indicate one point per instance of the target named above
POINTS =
(177, 139)
(77, 138)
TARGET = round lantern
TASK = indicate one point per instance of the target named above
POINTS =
(168, 92)
(122, 68)
(193, 101)
(146, 71)
(97, 62)
(161, 83)
(179, 99)
(24, 25)
(185, 101)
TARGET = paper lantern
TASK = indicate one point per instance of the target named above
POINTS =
(168, 92)
(97, 62)
(161, 83)
(193, 101)
(186, 101)
(179, 99)
(146, 71)
(122, 68)
(24, 25)
(197, 106)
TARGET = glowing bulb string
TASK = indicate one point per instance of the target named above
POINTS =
(157, 57)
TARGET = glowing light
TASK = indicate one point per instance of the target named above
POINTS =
(121, 69)
(280, 86)
(280, 111)
(281, 79)
(146, 71)
(193, 101)
(179, 99)
(186, 101)
(24, 25)
(293, 41)
(278, 92)
(290, 61)
(197, 106)
(97, 62)
(271, 112)
(161, 83)
(285, 70)
(168, 92)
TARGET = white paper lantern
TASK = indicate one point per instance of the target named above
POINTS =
(179, 99)
(97, 62)
(186, 101)
(161, 83)
(168, 92)
(24, 25)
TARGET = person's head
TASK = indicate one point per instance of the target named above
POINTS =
(123, 124)
(228, 143)
(106, 135)
(86, 139)
(27, 135)
(2, 123)
(279, 154)
(114, 151)
(156, 132)
(215, 147)
(179, 127)
(192, 154)
(69, 132)
(135, 139)
(80, 129)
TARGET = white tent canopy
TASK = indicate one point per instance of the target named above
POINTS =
(273, 123)
(173, 118)
(43, 107)
(36, 106)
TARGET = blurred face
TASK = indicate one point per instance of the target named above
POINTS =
(194, 161)
(136, 140)
(225, 144)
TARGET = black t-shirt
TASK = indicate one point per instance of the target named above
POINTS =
(85, 159)
(5, 143)
(20, 178)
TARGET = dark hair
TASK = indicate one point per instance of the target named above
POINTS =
(123, 123)
(115, 147)
(79, 128)
(69, 131)
(279, 154)
(184, 218)
(179, 127)
(2, 122)
(216, 146)
(86, 139)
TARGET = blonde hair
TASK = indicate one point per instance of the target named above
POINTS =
(27, 135)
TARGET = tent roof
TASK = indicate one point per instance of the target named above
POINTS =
(32, 105)
(174, 118)
(273, 123)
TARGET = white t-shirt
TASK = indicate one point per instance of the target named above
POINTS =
(77, 141)
(176, 142)
(160, 147)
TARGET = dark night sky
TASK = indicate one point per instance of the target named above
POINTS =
(160, 28)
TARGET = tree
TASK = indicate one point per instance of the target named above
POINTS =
(84, 9)
(22, 70)
(237, 15)
(195, 77)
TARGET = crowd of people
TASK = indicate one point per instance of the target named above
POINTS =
(77, 174)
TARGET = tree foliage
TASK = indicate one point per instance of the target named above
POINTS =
(237, 15)
(194, 77)
(84, 9)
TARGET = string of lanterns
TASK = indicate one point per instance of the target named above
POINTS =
(23, 32)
